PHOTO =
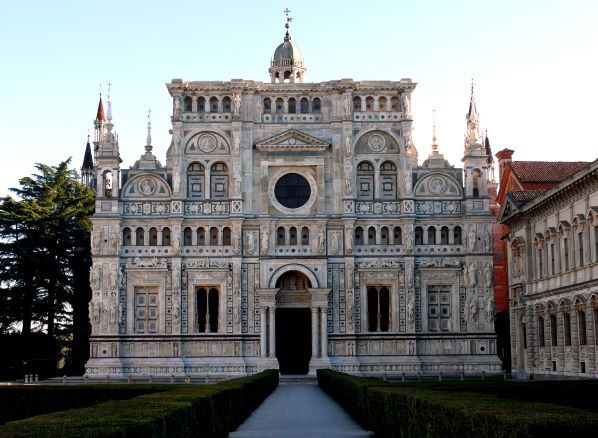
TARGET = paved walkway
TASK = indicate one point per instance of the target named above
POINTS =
(299, 410)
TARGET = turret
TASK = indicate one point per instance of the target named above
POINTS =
(87, 169)
(106, 152)
(287, 63)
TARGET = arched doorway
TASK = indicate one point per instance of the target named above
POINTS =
(293, 323)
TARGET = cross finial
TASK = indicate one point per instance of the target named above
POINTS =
(472, 85)
(149, 113)
(434, 145)
(287, 11)
(109, 85)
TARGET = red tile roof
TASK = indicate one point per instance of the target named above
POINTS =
(523, 196)
(546, 171)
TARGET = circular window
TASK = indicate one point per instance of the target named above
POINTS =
(292, 190)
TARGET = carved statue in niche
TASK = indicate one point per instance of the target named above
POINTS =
(265, 242)
(488, 242)
(175, 349)
(236, 144)
(251, 243)
(96, 277)
(408, 276)
(349, 241)
(348, 145)
(348, 184)
(488, 274)
(121, 313)
(471, 275)
(94, 312)
(113, 312)
(410, 310)
(176, 277)
(176, 240)
(335, 243)
(237, 184)
(490, 309)
(408, 240)
(406, 104)
(347, 106)
(113, 280)
(258, 109)
(321, 241)
(177, 180)
(96, 242)
(237, 241)
(236, 104)
(113, 349)
(114, 241)
(472, 309)
(237, 314)
(176, 308)
(471, 240)
(177, 106)
(411, 348)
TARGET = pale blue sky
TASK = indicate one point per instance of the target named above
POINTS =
(535, 65)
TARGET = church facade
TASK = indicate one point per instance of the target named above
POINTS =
(291, 227)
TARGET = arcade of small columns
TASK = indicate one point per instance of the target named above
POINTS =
(316, 299)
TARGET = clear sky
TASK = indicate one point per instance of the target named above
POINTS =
(534, 63)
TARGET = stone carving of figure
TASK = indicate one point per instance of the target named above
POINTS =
(176, 308)
(123, 278)
(488, 242)
(335, 243)
(408, 241)
(321, 240)
(408, 181)
(176, 240)
(237, 241)
(113, 350)
(348, 145)
(348, 184)
(112, 280)
(490, 309)
(347, 106)
(121, 313)
(113, 311)
(176, 277)
(250, 243)
(175, 349)
(265, 242)
(96, 241)
(237, 184)
(488, 274)
(94, 312)
(236, 104)
(408, 276)
(236, 144)
(114, 239)
(177, 181)
(237, 314)
(471, 275)
(410, 310)
(406, 100)
(471, 241)
(96, 277)
(349, 241)
(472, 310)
(411, 347)
(177, 106)
(258, 109)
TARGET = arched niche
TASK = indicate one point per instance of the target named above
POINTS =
(147, 185)
(438, 185)
(207, 142)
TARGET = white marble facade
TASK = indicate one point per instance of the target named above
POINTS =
(391, 259)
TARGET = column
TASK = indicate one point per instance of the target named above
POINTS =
(263, 331)
(272, 331)
(324, 329)
(160, 232)
(314, 332)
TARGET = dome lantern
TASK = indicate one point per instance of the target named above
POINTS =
(287, 62)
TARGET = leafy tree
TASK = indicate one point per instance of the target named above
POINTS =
(45, 255)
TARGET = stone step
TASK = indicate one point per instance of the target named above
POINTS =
(297, 378)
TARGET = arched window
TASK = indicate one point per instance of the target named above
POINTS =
(187, 237)
(226, 237)
(444, 236)
(357, 103)
(378, 312)
(127, 236)
(213, 236)
(394, 103)
(553, 331)
(201, 236)
(397, 236)
(382, 103)
(219, 180)
(279, 105)
(358, 236)
(567, 328)
(316, 105)
(477, 180)
(541, 339)
(304, 236)
(369, 103)
(292, 236)
(226, 104)
(365, 180)
(196, 176)
(213, 104)
(166, 236)
(139, 236)
(457, 239)
(581, 324)
(280, 240)
(371, 236)
(201, 104)
(419, 236)
(304, 105)
(207, 310)
(287, 76)
(384, 236)
(388, 180)
(267, 105)
(153, 236)
(292, 105)
(188, 104)
(107, 183)
(431, 236)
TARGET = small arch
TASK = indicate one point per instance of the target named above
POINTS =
(357, 103)
(280, 236)
(304, 105)
(201, 236)
(213, 236)
(369, 103)
(292, 104)
(358, 236)
(126, 236)
(213, 104)
(305, 236)
(107, 183)
(292, 236)
(279, 105)
(384, 237)
(457, 235)
(166, 236)
(187, 236)
(293, 280)
(382, 103)
(316, 105)
(139, 236)
(153, 236)
(293, 267)
(419, 236)
(477, 182)
(371, 236)
(388, 180)
(444, 236)
(219, 180)
(201, 104)
(397, 236)
(226, 104)
(267, 106)
(431, 236)
(226, 236)
(394, 103)
(195, 180)
(188, 104)
(365, 180)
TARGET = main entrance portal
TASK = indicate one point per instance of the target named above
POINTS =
(293, 340)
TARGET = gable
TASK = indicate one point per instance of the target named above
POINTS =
(292, 140)
(146, 185)
(376, 142)
(209, 143)
(437, 185)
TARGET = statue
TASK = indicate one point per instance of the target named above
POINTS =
(114, 240)
(472, 311)
(236, 144)
(96, 241)
(347, 106)
(488, 242)
(350, 312)
(406, 104)
(121, 313)
(250, 243)
(123, 277)
(177, 182)
(96, 277)
(177, 240)
(236, 104)
(258, 109)
(237, 314)
(335, 243)
(177, 106)
(176, 277)
(410, 311)
(408, 241)
(471, 275)
(237, 184)
(490, 309)
(348, 145)
(408, 276)
(349, 241)
(265, 242)
(113, 310)
(321, 240)
(488, 274)
(348, 184)
(112, 280)
(471, 240)
(237, 242)
(96, 313)
(175, 311)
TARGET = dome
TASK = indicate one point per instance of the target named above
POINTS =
(287, 53)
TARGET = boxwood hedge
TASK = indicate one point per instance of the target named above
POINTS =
(183, 411)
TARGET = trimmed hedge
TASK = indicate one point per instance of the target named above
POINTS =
(413, 410)
(184, 411)
(17, 402)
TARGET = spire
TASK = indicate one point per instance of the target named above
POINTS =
(434, 144)
(287, 25)
(100, 117)
(87, 158)
(472, 114)
(473, 121)
(148, 146)
(109, 102)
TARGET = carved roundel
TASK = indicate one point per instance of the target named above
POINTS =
(147, 186)
(207, 143)
(437, 185)
(376, 142)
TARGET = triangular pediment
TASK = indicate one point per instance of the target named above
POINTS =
(292, 140)
(507, 210)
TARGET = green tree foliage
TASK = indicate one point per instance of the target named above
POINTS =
(45, 254)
